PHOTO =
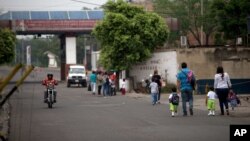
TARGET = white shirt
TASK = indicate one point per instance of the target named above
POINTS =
(211, 95)
(154, 87)
(123, 84)
(222, 83)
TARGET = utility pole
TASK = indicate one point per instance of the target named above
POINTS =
(201, 23)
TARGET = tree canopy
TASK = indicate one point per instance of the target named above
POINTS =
(231, 17)
(7, 46)
(220, 20)
(191, 14)
(128, 35)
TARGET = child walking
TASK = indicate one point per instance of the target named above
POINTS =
(123, 90)
(210, 101)
(232, 99)
(173, 102)
(154, 91)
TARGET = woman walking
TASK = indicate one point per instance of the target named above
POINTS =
(222, 84)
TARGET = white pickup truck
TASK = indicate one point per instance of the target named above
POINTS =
(76, 75)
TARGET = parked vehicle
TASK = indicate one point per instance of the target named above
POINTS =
(76, 75)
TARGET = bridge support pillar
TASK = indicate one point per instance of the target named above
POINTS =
(68, 54)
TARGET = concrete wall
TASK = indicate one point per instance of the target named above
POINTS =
(165, 62)
(203, 61)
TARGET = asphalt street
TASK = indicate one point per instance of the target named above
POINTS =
(80, 116)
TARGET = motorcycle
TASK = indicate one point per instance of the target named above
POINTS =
(50, 95)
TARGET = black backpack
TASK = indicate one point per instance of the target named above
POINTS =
(175, 99)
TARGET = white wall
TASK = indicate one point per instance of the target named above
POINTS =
(164, 62)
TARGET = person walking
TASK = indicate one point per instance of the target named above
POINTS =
(232, 98)
(173, 102)
(93, 81)
(104, 86)
(157, 79)
(210, 101)
(222, 84)
(154, 91)
(99, 81)
(185, 88)
(123, 85)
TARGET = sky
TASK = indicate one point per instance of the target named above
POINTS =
(48, 5)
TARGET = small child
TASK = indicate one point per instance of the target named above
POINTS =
(123, 90)
(232, 98)
(210, 101)
(154, 91)
(173, 102)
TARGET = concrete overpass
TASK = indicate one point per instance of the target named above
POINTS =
(66, 24)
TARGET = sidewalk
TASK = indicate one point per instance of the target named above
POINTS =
(242, 110)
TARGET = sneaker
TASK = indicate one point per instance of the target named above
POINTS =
(213, 113)
(210, 113)
(54, 101)
(172, 114)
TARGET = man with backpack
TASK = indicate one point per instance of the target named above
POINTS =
(185, 80)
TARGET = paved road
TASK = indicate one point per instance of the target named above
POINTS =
(80, 116)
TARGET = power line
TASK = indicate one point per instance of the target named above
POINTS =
(86, 2)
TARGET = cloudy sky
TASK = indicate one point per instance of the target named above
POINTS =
(43, 5)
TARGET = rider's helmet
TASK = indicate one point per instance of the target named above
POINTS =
(50, 76)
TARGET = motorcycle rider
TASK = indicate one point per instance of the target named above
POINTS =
(46, 82)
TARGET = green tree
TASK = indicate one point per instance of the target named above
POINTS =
(191, 16)
(38, 48)
(7, 46)
(231, 15)
(128, 35)
(41, 45)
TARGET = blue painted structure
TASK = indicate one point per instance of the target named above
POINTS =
(240, 86)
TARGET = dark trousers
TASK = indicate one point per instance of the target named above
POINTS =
(223, 95)
(159, 94)
(113, 91)
(99, 89)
